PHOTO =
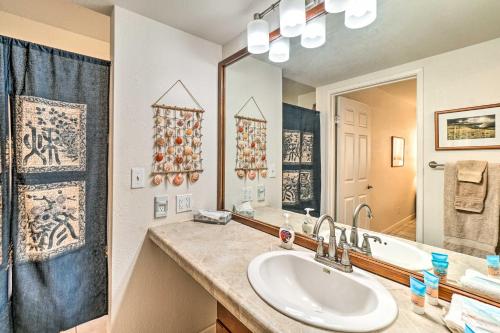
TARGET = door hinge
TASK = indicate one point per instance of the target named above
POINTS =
(336, 119)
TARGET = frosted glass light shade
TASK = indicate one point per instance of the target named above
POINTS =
(336, 6)
(258, 36)
(279, 50)
(292, 17)
(314, 34)
(360, 13)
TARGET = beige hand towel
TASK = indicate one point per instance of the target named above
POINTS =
(471, 187)
(472, 233)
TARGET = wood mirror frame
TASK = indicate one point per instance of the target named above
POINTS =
(367, 263)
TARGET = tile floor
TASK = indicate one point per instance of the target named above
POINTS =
(98, 325)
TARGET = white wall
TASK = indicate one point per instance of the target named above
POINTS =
(245, 78)
(460, 78)
(148, 291)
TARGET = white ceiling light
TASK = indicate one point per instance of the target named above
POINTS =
(258, 35)
(314, 34)
(336, 6)
(292, 17)
(279, 50)
(360, 13)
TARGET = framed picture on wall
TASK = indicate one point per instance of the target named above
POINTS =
(397, 151)
(476, 127)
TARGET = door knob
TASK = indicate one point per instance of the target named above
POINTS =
(369, 187)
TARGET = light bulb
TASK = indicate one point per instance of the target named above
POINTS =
(336, 6)
(258, 36)
(360, 13)
(292, 17)
(314, 34)
(279, 50)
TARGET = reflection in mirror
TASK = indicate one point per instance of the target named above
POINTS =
(352, 123)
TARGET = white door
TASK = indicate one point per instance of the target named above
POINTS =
(353, 159)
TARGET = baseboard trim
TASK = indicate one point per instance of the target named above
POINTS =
(399, 223)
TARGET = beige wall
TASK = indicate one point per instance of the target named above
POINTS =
(149, 293)
(27, 29)
(456, 79)
(393, 195)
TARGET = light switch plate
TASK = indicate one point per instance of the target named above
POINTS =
(184, 203)
(137, 178)
(161, 206)
(246, 194)
(261, 192)
(272, 170)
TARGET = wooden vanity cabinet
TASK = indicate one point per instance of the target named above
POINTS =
(227, 323)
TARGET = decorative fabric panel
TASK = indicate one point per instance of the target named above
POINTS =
(51, 220)
(50, 135)
(58, 206)
(5, 207)
(301, 184)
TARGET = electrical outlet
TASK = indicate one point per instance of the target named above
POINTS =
(184, 203)
(161, 206)
(261, 192)
(137, 178)
(246, 194)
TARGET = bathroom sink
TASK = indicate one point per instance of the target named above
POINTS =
(296, 285)
(393, 251)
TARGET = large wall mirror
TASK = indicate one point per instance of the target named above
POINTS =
(356, 121)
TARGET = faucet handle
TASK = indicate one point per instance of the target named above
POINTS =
(365, 247)
(343, 236)
(346, 261)
(319, 251)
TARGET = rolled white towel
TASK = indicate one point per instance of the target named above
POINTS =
(477, 282)
(480, 317)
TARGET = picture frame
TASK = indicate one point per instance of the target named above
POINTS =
(397, 151)
(469, 128)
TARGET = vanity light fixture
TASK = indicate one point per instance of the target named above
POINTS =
(336, 6)
(314, 34)
(360, 13)
(258, 35)
(279, 50)
(292, 17)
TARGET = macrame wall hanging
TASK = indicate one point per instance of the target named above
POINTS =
(251, 159)
(177, 141)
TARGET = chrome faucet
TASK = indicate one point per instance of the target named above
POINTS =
(354, 230)
(331, 259)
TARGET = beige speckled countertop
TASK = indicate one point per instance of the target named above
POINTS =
(217, 258)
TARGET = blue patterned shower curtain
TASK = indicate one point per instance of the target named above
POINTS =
(5, 313)
(59, 123)
(301, 179)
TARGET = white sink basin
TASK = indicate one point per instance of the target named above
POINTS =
(393, 251)
(295, 284)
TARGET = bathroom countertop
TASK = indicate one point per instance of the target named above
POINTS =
(217, 257)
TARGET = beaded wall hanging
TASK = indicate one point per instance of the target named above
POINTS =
(251, 159)
(177, 141)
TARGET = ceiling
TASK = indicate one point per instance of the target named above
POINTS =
(218, 21)
(404, 31)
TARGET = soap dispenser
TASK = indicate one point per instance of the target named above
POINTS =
(308, 225)
(287, 234)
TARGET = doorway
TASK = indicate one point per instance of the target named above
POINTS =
(377, 157)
